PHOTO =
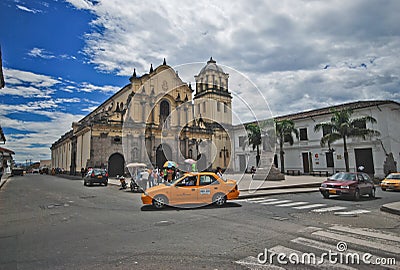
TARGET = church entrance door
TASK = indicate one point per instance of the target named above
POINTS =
(163, 154)
(116, 165)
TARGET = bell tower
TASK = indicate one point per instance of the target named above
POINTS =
(213, 107)
(212, 99)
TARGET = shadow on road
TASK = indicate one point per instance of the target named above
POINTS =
(350, 198)
(189, 207)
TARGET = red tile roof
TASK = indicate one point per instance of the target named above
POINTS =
(5, 150)
(327, 110)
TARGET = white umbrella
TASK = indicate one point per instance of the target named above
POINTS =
(133, 168)
(135, 165)
(190, 161)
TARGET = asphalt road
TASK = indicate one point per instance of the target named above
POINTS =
(54, 223)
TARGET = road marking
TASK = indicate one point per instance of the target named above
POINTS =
(328, 247)
(256, 199)
(291, 204)
(253, 263)
(329, 209)
(263, 200)
(354, 212)
(310, 206)
(276, 202)
(356, 241)
(366, 232)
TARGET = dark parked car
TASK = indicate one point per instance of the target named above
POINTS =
(96, 175)
(349, 184)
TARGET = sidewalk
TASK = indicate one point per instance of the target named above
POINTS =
(4, 179)
(250, 188)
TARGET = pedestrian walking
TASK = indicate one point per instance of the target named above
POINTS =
(151, 178)
(83, 172)
(144, 179)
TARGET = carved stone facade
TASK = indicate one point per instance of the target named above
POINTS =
(154, 118)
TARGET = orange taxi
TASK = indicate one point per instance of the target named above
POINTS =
(192, 188)
(392, 181)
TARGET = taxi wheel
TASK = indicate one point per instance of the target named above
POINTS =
(325, 194)
(219, 199)
(384, 189)
(160, 201)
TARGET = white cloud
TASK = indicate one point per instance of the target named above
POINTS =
(39, 96)
(14, 76)
(80, 4)
(26, 92)
(34, 133)
(89, 88)
(283, 46)
(24, 8)
(90, 109)
(41, 53)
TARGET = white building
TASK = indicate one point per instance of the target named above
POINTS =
(307, 156)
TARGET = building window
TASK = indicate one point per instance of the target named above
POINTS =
(190, 153)
(360, 124)
(242, 140)
(218, 106)
(326, 130)
(204, 107)
(329, 160)
(303, 134)
(225, 107)
(164, 112)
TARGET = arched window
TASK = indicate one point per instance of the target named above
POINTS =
(164, 112)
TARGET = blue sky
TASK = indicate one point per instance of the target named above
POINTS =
(63, 58)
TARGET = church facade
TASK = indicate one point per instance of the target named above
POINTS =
(155, 118)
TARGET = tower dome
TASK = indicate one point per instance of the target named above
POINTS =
(212, 79)
(211, 66)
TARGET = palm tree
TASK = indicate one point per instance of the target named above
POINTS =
(284, 133)
(342, 127)
(254, 138)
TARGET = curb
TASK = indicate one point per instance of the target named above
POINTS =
(4, 180)
(387, 208)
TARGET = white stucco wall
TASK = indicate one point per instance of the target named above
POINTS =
(387, 116)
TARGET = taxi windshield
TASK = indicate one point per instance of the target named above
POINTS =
(173, 182)
(393, 176)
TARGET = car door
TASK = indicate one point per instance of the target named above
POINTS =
(208, 186)
(369, 184)
(362, 185)
(184, 191)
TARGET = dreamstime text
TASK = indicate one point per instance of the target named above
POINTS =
(340, 256)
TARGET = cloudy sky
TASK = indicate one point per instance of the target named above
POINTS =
(62, 58)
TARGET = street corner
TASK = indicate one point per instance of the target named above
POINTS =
(4, 179)
(393, 208)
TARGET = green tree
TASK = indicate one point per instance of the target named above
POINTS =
(285, 130)
(254, 138)
(342, 127)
